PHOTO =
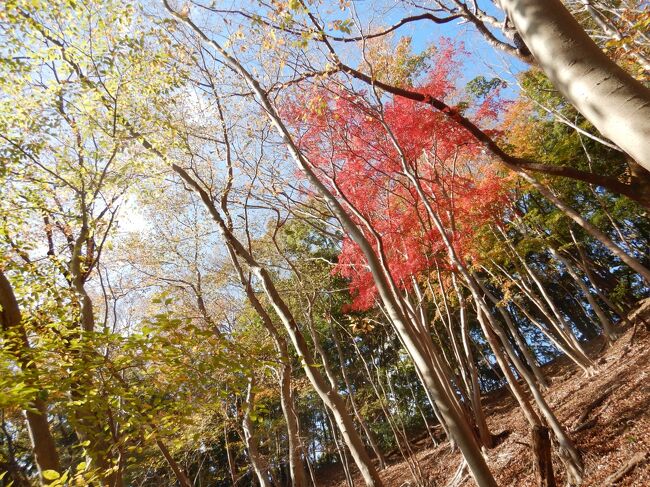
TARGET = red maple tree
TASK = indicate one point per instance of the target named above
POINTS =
(363, 151)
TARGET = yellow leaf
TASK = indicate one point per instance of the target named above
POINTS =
(50, 474)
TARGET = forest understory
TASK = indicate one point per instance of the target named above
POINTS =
(328, 243)
(609, 415)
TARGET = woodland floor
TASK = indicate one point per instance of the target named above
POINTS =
(617, 429)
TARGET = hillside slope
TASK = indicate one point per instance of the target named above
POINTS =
(612, 409)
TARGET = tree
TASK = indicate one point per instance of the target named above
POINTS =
(241, 246)
(15, 337)
(607, 96)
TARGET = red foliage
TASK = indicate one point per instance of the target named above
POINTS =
(354, 149)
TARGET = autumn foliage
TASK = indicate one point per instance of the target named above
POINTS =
(365, 154)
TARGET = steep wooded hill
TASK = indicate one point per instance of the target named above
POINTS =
(608, 414)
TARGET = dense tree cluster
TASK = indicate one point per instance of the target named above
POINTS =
(239, 245)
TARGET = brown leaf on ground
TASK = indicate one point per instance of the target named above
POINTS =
(609, 415)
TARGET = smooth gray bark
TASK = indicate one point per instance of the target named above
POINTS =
(614, 102)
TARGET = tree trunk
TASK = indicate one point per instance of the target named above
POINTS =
(555, 333)
(89, 429)
(586, 268)
(484, 319)
(475, 390)
(558, 341)
(381, 397)
(434, 441)
(340, 450)
(257, 462)
(181, 476)
(458, 425)
(563, 328)
(609, 332)
(43, 446)
(614, 102)
(296, 467)
(328, 395)
(411, 457)
(369, 434)
(542, 461)
(231, 461)
(15, 475)
(566, 449)
(539, 375)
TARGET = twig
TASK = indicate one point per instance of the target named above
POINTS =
(585, 426)
(627, 468)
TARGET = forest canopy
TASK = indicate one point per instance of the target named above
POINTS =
(272, 242)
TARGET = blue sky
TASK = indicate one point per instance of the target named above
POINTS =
(484, 60)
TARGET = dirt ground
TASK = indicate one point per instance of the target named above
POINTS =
(615, 430)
